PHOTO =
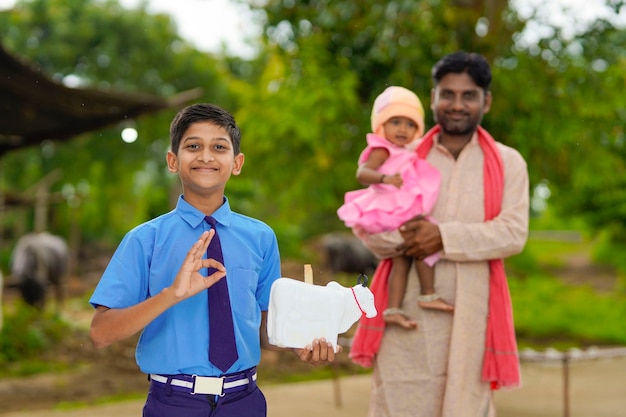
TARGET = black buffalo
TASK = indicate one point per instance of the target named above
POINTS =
(344, 252)
(39, 260)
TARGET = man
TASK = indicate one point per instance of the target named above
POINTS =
(448, 367)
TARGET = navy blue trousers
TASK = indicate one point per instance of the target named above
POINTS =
(163, 401)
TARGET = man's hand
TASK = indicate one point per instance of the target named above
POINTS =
(189, 280)
(421, 238)
(319, 353)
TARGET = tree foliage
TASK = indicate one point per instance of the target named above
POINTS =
(569, 120)
(98, 44)
(304, 103)
(321, 52)
(559, 102)
(390, 42)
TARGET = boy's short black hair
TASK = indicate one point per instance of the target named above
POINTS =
(474, 64)
(203, 112)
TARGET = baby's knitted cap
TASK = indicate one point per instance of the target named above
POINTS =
(396, 102)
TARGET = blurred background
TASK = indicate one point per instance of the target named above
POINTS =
(89, 88)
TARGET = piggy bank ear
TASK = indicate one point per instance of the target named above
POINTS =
(362, 279)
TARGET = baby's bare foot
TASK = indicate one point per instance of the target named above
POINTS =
(434, 302)
(397, 317)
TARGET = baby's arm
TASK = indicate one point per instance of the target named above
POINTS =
(110, 325)
(368, 174)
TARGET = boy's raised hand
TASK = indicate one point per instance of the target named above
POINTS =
(189, 280)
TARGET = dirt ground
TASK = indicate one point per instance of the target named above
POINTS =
(596, 389)
(100, 383)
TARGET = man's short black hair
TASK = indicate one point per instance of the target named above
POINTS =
(474, 64)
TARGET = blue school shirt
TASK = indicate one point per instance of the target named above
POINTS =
(148, 259)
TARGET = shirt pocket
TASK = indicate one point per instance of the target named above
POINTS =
(243, 284)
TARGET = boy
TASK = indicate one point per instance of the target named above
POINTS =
(152, 284)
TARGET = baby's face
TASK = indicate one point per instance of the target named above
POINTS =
(400, 130)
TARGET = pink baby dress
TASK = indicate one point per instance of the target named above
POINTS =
(384, 207)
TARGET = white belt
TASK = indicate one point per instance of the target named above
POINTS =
(206, 384)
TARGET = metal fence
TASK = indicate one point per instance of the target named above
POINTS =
(571, 355)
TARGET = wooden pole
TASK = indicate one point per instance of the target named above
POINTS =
(565, 385)
(308, 274)
(42, 200)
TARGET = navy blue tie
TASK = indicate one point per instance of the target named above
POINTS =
(222, 345)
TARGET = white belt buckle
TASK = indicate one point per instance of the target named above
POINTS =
(208, 385)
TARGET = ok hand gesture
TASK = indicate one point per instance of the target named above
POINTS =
(189, 281)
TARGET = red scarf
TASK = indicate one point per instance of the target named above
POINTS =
(501, 364)
(369, 332)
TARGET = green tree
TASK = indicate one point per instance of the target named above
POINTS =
(569, 119)
(324, 63)
(103, 45)
(391, 42)
(304, 102)
(559, 102)
(298, 122)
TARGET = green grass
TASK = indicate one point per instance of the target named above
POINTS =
(548, 312)
(554, 253)
(26, 334)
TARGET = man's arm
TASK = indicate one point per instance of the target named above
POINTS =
(503, 236)
(111, 325)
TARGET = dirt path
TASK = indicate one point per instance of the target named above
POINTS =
(597, 388)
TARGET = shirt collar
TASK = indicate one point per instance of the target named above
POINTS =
(195, 217)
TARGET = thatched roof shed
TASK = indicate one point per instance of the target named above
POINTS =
(34, 107)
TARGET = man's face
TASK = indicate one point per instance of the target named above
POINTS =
(458, 104)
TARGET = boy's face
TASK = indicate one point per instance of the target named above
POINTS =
(400, 130)
(205, 160)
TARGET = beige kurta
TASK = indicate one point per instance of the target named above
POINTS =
(435, 371)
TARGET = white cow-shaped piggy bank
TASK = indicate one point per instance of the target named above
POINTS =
(300, 312)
